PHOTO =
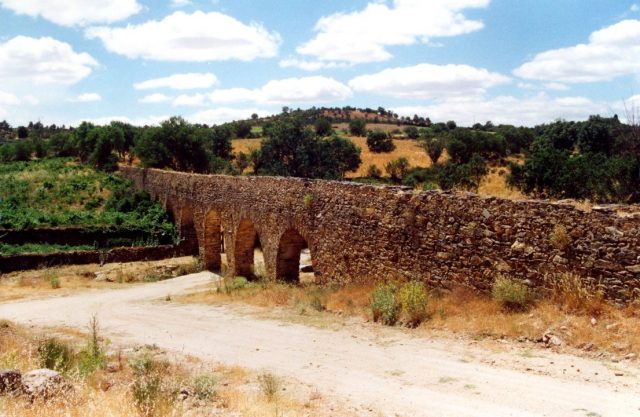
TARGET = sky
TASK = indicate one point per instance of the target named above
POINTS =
(521, 62)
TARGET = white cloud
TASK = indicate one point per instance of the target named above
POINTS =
(556, 86)
(31, 99)
(611, 52)
(75, 12)
(363, 36)
(197, 37)
(43, 60)
(186, 81)
(527, 111)
(287, 91)
(428, 81)
(138, 121)
(180, 3)
(8, 99)
(154, 99)
(224, 114)
(310, 65)
(86, 98)
(634, 8)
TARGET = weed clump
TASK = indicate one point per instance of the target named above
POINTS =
(55, 355)
(575, 295)
(384, 305)
(269, 385)
(559, 237)
(204, 387)
(413, 301)
(512, 295)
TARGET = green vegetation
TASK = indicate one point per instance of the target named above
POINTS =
(511, 294)
(60, 192)
(379, 142)
(384, 305)
(6, 249)
(413, 301)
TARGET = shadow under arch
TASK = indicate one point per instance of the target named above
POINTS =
(212, 245)
(246, 240)
(288, 259)
(186, 227)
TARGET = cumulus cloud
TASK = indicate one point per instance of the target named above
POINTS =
(287, 91)
(154, 99)
(43, 60)
(528, 111)
(196, 37)
(186, 81)
(75, 12)
(428, 81)
(86, 98)
(136, 121)
(364, 35)
(225, 114)
(611, 52)
(9, 99)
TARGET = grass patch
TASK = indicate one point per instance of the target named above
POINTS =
(511, 294)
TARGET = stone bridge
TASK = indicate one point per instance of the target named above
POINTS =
(357, 233)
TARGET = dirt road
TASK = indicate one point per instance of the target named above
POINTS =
(380, 371)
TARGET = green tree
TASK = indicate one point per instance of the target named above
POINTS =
(433, 147)
(412, 132)
(397, 169)
(379, 142)
(358, 127)
(323, 127)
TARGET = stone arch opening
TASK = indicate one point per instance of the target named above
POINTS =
(186, 227)
(290, 249)
(246, 240)
(213, 238)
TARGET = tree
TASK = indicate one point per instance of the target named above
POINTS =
(433, 147)
(397, 169)
(358, 127)
(451, 125)
(597, 135)
(292, 149)
(323, 127)
(102, 156)
(243, 129)
(412, 132)
(23, 132)
(83, 141)
(379, 142)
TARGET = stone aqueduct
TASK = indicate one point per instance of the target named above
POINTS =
(360, 232)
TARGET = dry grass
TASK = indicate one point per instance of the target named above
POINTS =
(495, 184)
(461, 311)
(73, 278)
(109, 393)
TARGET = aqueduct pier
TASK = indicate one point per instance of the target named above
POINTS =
(360, 232)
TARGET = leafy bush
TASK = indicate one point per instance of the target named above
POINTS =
(55, 355)
(384, 306)
(204, 387)
(413, 301)
(511, 294)
(142, 364)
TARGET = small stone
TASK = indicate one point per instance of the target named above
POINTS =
(559, 260)
(10, 381)
(633, 268)
(619, 374)
(611, 326)
(486, 214)
(594, 321)
(630, 356)
(614, 231)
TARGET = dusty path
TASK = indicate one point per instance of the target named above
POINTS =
(377, 370)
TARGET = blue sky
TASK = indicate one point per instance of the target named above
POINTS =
(522, 62)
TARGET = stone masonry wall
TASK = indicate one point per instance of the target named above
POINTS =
(361, 232)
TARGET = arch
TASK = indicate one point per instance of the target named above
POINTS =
(288, 260)
(188, 235)
(212, 246)
(245, 243)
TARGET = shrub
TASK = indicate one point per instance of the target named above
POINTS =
(142, 364)
(269, 385)
(54, 281)
(574, 294)
(559, 237)
(92, 356)
(373, 171)
(511, 294)
(413, 301)
(55, 355)
(384, 305)
(204, 387)
(397, 169)
(234, 284)
(146, 394)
